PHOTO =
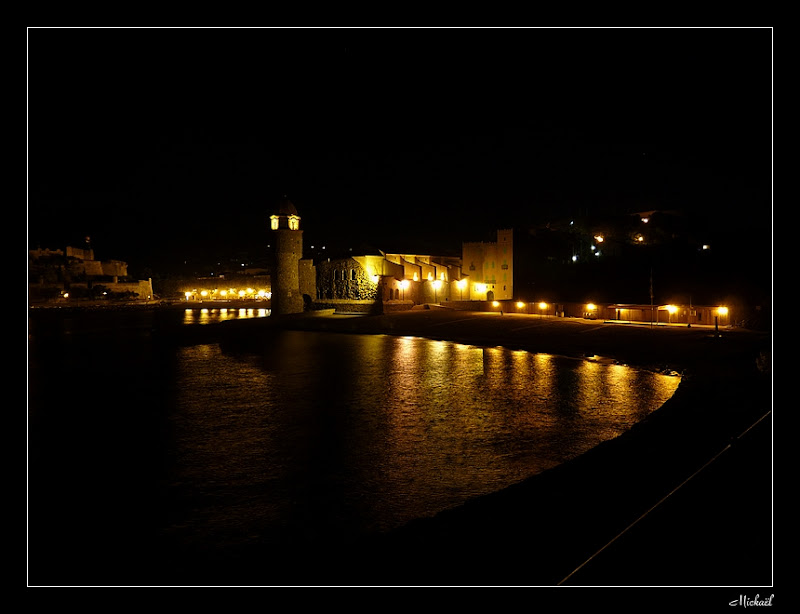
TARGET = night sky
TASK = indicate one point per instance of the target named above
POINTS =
(172, 144)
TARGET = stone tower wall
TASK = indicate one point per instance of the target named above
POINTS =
(286, 295)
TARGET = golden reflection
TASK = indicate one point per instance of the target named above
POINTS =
(413, 425)
(188, 316)
(520, 375)
(542, 384)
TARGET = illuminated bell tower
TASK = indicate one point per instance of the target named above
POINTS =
(287, 245)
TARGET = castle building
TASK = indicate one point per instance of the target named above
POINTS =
(490, 267)
(59, 274)
(484, 272)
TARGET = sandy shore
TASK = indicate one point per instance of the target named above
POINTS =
(683, 499)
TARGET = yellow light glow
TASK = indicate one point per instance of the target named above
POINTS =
(495, 304)
(416, 277)
(375, 279)
(437, 284)
(203, 292)
(404, 284)
(241, 293)
(591, 307)
(187, 294)
(599, 238)
(480, 288)
(723, 311)
(672, 308)
(223, 293)
(461, 283)
(542, 305)
(273, 222)
(520, 304)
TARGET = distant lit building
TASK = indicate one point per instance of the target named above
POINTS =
(489, 267)
(75, 273)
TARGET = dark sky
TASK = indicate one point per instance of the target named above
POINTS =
(160, 143)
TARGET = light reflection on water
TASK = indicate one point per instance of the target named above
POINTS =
(212, 315)
(327, 434)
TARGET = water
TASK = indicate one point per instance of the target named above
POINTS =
(208, 447)
(212, 315)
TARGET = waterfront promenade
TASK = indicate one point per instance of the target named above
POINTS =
(683, 499)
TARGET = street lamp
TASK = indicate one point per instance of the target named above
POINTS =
(542, 307)
(436, 285)
(403, 286)
(671, 309)
(721, 311)
(461, 283)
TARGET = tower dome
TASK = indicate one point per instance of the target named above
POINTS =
(285, 216)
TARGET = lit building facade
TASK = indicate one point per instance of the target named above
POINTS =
(74, 273)
(489, 268)
(391, 277)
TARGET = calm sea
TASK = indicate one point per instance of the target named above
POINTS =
(136, 444)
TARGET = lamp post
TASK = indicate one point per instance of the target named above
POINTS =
(721, 311)
(436, 285)
(461, 283)
(670, 310)
(542, 307)
(403, 286)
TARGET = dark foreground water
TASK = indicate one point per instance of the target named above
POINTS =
(140, 448)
